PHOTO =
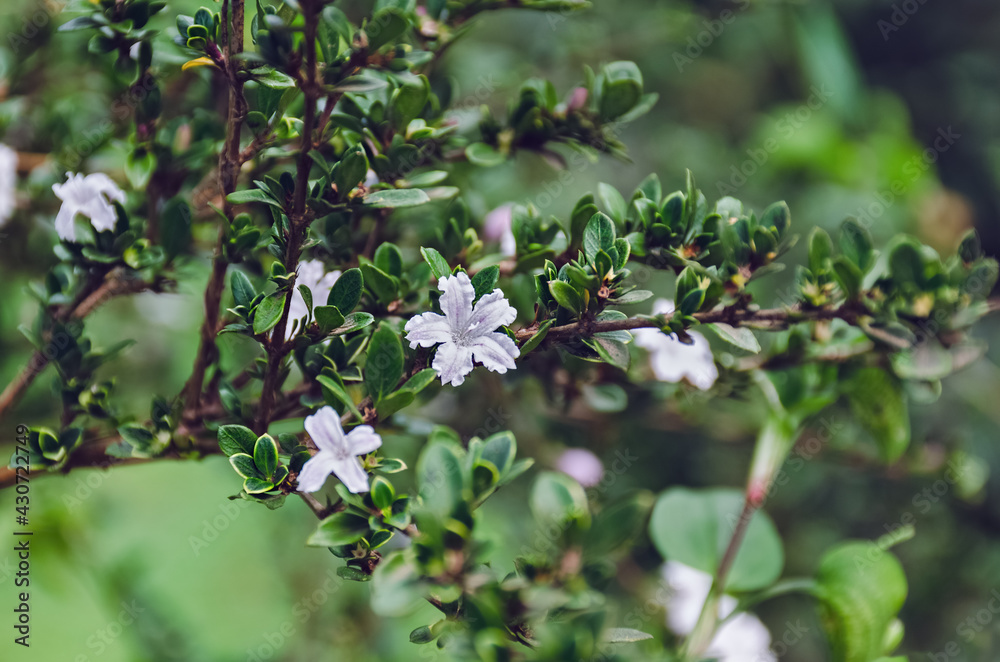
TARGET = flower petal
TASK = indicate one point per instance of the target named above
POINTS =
(325, 430)
(315, 471)
(351, 474)
(427, 330)
(64, 222)
(99, 183)
(101, 214)
(363, 440)
(456, 300)
(452, 363)
(495, 351)
(491, 311)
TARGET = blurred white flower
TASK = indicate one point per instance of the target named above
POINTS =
(371, 178)
(742, 639)
(337, 452)
(496, 227)
(8, 180)
(89, 195)
(312, 274)
(581, 465)
(465, 332)
(671, 359)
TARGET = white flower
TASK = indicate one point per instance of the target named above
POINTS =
(8, 180)
(337, 452)
(90, 196)
(741, 639)
(312, 274)
(465, 332)
(496, 226)
(581, 465)
(671, 359)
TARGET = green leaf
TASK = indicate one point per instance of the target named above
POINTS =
(354, 322)
(861, 588)
(621, 89)
(329, 384)
(778, 217)
(485, 280)
(906, 264)
(346, 291)
(380, 283)
(500, 449)
(613, 202)
(820, 251)
(351, 171)
(343, 528)
(268, 312)
(440, 478)
(559, 501)
(328, 318)
(856, 244)
(879, 404)
(389, 259)
(599, 235)
(243, 292)
(566, 296)
(396, 197)
(439, 266)
(384, 364)
(257, 485)
(848, 276)
(244, 465)
(349, 572)
(236, 439)
(611, 350)
(272, 78)
(483, 155)
(694, 527)
(741, 337)
(265, 455)
(419, 381)
(382, 492)
(407, 101)
(535, 340)
(390, 404)
(386, 25)
(247, 196)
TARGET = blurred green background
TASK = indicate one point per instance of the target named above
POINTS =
(828, 106)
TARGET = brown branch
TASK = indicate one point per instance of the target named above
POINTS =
(94, 455)
(91, 297)
(299, 219)
(229, 168)
(774, 318)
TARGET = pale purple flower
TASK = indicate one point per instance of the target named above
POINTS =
(671, 359)
(465, 332)
(90, 195)
(741, 639)
(8, 182)
(337, 452)
(581, 465)
(314, 276)
(496, 227)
